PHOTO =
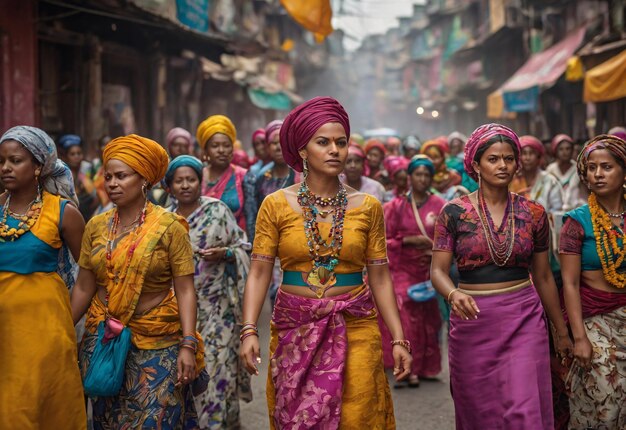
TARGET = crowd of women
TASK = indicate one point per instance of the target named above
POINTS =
(372, 251)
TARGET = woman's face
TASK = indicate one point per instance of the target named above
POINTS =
(179, 146)
(497, 165)
(274, 150)
(327, 150)
(122, 184)
(456, 147)
(74, 156)
(421, 179)
(605, 175)
(400, 179)
(219, 150)
(374, 158)
(259, 147)
(564, 151)
(18, 168)
(436, 156)
(354, 167)
(185, 185)
(410, 152)
(530, 160)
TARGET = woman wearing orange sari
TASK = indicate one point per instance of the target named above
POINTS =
(131, 256)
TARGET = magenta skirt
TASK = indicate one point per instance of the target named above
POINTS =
(500, 365)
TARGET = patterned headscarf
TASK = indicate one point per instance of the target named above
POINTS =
(558, 139)
(302, 123)
(482, 135)
(175, 133)
(56, 178)
(613, 144)
(141, 154)
(395, 164)
(421, 160)
(533, 143)
(215, 124)
(271, 128)
(183, 161)
(68, 140)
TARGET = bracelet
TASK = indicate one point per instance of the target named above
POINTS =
(245, 335)
(450, 294)
(248, 323)
(403, 343)
(191, 339)
(193, 348)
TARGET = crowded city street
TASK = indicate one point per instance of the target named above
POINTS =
(320, 214)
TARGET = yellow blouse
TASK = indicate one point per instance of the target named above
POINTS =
(280, 233)
(173, 254)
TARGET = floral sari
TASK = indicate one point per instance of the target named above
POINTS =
(219, 288)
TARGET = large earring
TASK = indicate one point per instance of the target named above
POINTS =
(480, 182)
(305, 168)
(144, 190)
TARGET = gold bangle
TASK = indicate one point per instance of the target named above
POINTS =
(450, 294)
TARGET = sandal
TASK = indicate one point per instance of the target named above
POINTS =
(414, 381)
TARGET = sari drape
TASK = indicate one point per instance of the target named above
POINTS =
(219, 288)
(229, 189)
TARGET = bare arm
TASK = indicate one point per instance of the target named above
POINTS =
(187, 312)
(461, 304)
(82, 293)
(546, 288)
(385, 298)
(258, 283)
(72, 229)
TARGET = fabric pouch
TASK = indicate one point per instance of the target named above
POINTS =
(105, 373)
(421, 292)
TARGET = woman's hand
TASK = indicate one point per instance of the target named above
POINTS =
(402, 362)
(583, 350)
(563, 344)
(212, 254)
(464, 306)
(186, 366)
(250, 354)
(423, 242)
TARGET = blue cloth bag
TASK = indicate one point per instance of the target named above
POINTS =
(421, 292)
(105, 374)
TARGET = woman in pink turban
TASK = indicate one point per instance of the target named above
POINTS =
(498, 330)
(179, 142)
(437, 150)
(326, 368)
(396, 167)
(355, 173)
(564, 167)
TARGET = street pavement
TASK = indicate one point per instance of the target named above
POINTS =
(428, 407)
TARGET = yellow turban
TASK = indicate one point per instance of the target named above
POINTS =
(143, 155)
(215, 124)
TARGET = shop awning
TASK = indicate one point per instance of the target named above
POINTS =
(521, 91)
(606, 81)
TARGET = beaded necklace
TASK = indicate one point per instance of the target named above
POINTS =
(499, 250)
(119, 276)
(26, 220)
(610, 253)
(325, 255)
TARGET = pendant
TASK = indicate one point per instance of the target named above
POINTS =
(320, 279)
(324, 214)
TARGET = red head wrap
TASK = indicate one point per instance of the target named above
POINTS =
(375, 143)
(533, 143)
(558, 139)
(258, 132)
(302, 123)
(396, 164)
(482, 135)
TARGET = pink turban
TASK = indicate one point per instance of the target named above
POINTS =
(302, 123)
(395, 164)
(355, 149)
(175, 133)
(533, 143)
(482, 135)
(558, 139)
(272, 127)
(240, 158)
(258, 132)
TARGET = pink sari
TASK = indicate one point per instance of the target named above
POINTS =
(229, 186)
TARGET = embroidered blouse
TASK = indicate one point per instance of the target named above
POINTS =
(459, 230)
(280, 233)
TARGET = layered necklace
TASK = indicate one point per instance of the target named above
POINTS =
(499, 250)
(26, 220)
(325, 255)
(610, 252)
(119, 276)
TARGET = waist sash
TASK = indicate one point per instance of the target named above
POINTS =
(298, 279)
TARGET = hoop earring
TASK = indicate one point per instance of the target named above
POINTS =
(305, 168)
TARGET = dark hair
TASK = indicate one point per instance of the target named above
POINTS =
(498, 138)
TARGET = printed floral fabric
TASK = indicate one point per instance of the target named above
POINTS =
(149, 398)
(219, 289)
(459, 230)
(598, 398)
(326, 367)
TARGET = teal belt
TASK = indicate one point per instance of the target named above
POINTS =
(343, 279)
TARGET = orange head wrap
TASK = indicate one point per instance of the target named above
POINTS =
(141, 154)
(215, 124)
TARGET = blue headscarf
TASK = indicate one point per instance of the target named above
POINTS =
(56, 178)
(421, 160)
(68, 140)
(183, 161)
